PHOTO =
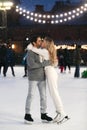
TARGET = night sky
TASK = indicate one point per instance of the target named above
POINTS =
(48, 4)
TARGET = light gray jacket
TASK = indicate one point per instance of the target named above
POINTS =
(35, 67)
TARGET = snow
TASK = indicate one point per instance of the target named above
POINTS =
(13, 92)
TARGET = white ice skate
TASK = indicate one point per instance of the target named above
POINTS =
(56, 118)
(62, 119)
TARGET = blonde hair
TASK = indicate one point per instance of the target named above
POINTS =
(52, 50)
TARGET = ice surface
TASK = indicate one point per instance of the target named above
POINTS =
(13, 92)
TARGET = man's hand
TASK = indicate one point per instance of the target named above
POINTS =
(46, 63)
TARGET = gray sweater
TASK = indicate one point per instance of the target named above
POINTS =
(35, 67)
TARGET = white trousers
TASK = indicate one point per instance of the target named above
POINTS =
(52, 80)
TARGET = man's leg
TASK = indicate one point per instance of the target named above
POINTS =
(5, 68)
(12, 69)
(31, 90)
(43, 101)
(0, 69)
(42, 91)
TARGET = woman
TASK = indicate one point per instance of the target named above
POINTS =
(49, 53)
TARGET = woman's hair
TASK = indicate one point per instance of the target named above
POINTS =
(51, 49)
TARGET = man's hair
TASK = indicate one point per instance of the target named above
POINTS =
(34, 38)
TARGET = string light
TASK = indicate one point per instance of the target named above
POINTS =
(52, 18)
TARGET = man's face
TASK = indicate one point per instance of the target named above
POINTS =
(38, 42)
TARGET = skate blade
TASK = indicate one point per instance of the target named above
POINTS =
(45, 121)
(28, 122)
(63, 120)
(54, 121)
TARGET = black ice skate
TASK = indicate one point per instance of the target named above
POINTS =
(45, 118)
(28, 119)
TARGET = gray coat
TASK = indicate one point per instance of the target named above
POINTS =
(35, 67)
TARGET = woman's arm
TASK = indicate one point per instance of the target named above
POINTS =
(42, 52)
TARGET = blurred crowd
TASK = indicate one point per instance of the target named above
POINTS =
(7, 59)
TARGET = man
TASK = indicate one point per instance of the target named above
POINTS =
(36, 76)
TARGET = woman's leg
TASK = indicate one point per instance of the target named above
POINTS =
(52, 79)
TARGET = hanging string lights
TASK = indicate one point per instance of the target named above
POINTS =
(52, 18)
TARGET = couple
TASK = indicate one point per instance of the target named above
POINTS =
(41, 63)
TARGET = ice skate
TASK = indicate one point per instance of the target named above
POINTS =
(56, 118)
(28, 119)
(62, 119)
(45, 118)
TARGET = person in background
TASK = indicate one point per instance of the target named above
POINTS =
(77, 61)
(24, 62)
(10, 60)
(61, 60)
(3, 52)
(67, 60)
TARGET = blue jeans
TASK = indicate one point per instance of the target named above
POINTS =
(42, 91)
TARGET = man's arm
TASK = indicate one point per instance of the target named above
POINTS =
(46, 63)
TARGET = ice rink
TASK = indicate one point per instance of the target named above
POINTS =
(13, 92)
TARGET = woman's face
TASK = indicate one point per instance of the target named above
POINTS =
(43, 44)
